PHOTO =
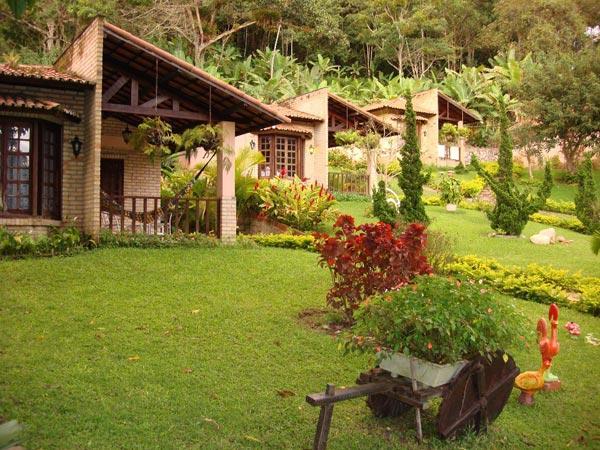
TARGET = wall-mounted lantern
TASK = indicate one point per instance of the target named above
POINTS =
(252, 144)
(76, 144)
(311, 149)
(126, 133)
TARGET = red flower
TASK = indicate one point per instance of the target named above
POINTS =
(283, 172)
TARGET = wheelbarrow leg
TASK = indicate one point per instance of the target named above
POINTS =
(417, 408)
(324, 423)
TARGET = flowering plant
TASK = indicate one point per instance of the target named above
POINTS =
(295, 203)
(369, 259)
(441, 320)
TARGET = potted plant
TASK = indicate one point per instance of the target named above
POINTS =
(436, 323)
(451, 193)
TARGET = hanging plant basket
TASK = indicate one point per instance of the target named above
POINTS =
(154, 137)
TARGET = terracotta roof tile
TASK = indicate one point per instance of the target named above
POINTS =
(295, 114)
(47, 73)
(291, 128)
(396, 103)
(31, 104)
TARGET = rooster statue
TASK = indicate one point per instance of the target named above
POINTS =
(533, 381)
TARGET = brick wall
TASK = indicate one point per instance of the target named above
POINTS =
(72, 168)
(142, 175)
(84, 57)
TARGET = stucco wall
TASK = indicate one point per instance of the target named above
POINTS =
(428, 100)
(315, 103)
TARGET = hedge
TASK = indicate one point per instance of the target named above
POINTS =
(295, 241)
(140, 240)
(560, 206)
(570, 223)
(535, 282)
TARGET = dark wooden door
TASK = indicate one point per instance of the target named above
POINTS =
(112, 174)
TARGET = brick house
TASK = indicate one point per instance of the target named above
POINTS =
(63, 132)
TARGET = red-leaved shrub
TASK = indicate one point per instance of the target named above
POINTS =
(369, 259)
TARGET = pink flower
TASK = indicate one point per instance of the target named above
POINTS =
(573, 328)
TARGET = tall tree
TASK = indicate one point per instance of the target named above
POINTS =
(411, 179)
(562, 97)
(535, 26)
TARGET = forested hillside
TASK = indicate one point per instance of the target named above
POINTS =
(477, 51)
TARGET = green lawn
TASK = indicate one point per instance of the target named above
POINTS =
(217, 334)
(470, 230)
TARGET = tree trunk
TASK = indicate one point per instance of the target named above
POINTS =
(529, 166)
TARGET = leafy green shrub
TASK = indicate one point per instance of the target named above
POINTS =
(587, 203)
(140, 240)
(382, 209)
(59, 241)
(439, 320)
(472, 188)
(569, 223)
(460, 168)
(439, 250)
(294, 203)
(513, 206)
(300, 241)
(560, 206)
(339, 159)
(450, 190)
(542, 284)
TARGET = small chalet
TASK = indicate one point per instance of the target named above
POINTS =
(64, 152)
(433, 109)
(301, 146)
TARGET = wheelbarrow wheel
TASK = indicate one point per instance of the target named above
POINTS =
(477, 394)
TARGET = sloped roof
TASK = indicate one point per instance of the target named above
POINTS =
(11, 103)
(398, 104)
(291, 128)
(296, 114)
(40, 73)
(125, 51)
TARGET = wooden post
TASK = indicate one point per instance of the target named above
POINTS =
(417, 408)
(324, 423)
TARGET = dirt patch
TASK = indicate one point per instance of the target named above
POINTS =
(322, 320)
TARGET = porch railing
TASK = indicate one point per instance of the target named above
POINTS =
(160, 215)
(349, 182)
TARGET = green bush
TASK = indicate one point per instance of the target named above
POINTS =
(472, 188)
(300, 241)
(339, 159)
(560, 206)
(382, 209)
(587, 203)
(59, 241)
(140, 240)
(569, 223)
(450, 190)
(294, 203)
(439, 320)
(542, 284)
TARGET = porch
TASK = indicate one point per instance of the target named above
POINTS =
(65, 155)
